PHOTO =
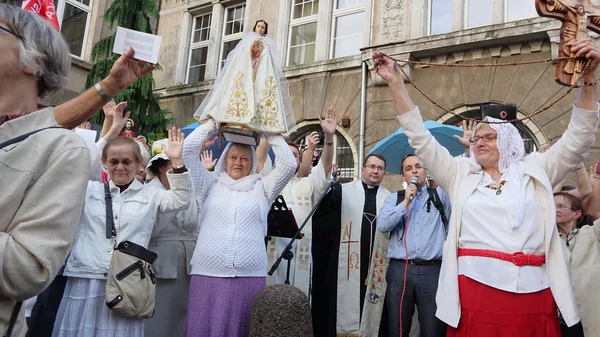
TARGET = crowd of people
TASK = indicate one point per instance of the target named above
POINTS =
(491, 243)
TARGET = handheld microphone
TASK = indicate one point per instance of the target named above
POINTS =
(413, 181)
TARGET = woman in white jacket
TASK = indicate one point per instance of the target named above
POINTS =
(83, 311)
(503, 270)
(229, 265)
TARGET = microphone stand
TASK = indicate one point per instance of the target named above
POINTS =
(287, 252)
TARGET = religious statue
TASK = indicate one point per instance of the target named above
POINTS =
(577, 16)
(128, 131)
(250, 91)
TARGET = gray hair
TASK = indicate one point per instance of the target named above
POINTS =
(42, 50)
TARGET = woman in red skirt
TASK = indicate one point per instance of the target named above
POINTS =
(503, 272)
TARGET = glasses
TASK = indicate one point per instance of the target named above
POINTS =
(486, 138)
(375, 167)
(563, 206)
(9, 32)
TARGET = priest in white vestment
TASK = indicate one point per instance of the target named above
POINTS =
(361, 258)
(300, 194)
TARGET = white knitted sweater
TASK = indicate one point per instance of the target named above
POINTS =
(233, 213)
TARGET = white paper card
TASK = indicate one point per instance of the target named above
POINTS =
(145, 46)
(89, 136)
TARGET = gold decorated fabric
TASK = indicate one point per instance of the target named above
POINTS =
(249, 90)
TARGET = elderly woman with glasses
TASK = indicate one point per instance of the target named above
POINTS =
(43, 168)
(503, 271)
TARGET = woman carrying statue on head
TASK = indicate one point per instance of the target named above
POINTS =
(250, 90)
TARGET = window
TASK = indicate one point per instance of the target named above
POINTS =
(74, 23)
(441, 16)
(11, 2)
(480, 13)
(303, 32)
(73, 19)
(232, 30)
(199, 48)
(348, 21)
(519, 10)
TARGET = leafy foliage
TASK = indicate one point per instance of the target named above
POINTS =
(143, 103)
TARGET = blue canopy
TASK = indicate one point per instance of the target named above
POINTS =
(215, 148)
(395, 146)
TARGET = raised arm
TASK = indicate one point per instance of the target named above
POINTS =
(262, 152)
(307, 155)
(114, 114)
(201, 179)
(436, 158)
(285, 168)
(178, 196)
(574, 145)
(321, 174)
(124, 72)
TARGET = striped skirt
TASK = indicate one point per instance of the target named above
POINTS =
(221, 307)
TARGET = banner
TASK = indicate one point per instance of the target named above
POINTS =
(43, 8)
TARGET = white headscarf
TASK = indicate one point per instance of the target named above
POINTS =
(512, 151)
(243, 184)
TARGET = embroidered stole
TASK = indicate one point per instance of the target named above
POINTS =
(349, 322)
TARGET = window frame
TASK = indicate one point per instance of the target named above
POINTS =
(505, 14)
(337, 13)
(198, 45)
(60, 9)
(314, 18)
(231, 37)
(430, 17)
(465, 24)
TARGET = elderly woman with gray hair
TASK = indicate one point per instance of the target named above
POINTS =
(503, 270)
(229, 264)
(43, 168)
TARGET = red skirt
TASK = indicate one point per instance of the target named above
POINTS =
(490, 312)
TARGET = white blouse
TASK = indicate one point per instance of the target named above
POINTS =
(485, 226)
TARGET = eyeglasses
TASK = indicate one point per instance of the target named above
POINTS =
(486, 138)
(10, 32)
(375, 167)
(562, 206)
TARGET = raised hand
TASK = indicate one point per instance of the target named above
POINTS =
(589, 50)
(126, 71)
(86, 126)
(210, 141)
(313, 142)
(142, 139)
(207, 160)
(328, 124)
(175, 147)
(118, 119)
(386, 68)
(468, 132)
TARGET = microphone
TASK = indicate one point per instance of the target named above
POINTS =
(414, 181)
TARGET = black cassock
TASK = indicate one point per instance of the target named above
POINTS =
(326, 232)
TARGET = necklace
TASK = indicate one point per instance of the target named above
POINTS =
(498, 188)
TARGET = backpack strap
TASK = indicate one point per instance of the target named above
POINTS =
(110, 223)
(434, 197)
(13, 319)
(23, 137)
(400, 194)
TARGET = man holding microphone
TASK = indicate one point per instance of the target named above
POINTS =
(417, 218)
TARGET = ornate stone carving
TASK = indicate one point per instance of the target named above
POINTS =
(393, 13)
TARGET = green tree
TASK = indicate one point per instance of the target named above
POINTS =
(143, 103)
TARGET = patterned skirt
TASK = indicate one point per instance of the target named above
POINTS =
(221, 307)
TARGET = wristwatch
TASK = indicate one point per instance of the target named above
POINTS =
(102, 93)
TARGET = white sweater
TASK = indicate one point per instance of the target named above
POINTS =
(233, 213)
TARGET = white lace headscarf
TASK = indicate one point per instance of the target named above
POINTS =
(511, 165)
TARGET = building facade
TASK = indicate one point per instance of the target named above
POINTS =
(323, 44)
(82, 26)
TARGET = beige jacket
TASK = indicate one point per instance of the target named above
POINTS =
(583, 258)
(459, 179)
(43, 181)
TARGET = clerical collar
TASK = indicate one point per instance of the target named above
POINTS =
(369, 188)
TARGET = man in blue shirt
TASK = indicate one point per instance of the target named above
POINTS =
(417, 237)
